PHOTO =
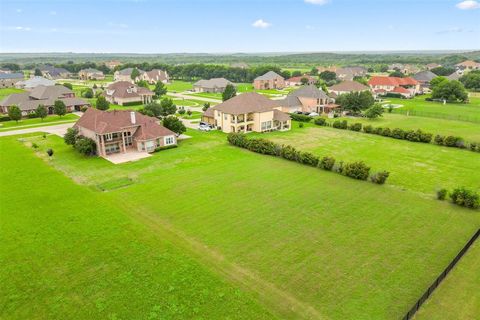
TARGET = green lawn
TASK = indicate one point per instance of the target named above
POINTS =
(186, 103)
(414, 166)
(210, 95)
(36, 122)
(457, 296)
(70, 251)
(453, 111)
(194, 115)
(8, 91)
(179, 86)
(305, 242)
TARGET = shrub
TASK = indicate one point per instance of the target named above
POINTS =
(380, 177)
(439, 139)
(327, 163)
(300, 125)
(465, 198)
(308, 158)
(85, 146)
(377, 130)
(441, 194)
(356, 170)
(84, 109)
(5, 118)
(34, 145)
(355, 127)
(237, 139)
(368, 129)
(386, 132)
(412, 136)
(50, 152)
(451, 141)
(425, 137)
(165, 147)
(474, 146)
(300, 117)
(289, 153)
(181, 111)
(32, 115)
(398, 133)
(262, 146)
(340, 124)
(70, 136)
(339, 167)
(320, 122)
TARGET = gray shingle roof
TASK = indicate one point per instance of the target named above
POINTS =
(36, 81)
(5, 76)
(310, 91)
(424, 76)
(213, 83)
(270, 75)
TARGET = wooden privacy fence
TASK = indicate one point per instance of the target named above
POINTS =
(440, 278)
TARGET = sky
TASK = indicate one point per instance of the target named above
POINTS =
(230, 26)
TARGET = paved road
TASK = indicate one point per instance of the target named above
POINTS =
(186, 96)
(58, 129)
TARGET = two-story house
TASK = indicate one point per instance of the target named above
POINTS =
(126, 93)
(155, 75)
(126, 75)
(407, 87)
(270, 80)
(91, 74)
(307, 99)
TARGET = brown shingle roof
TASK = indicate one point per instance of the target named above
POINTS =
(280, 116)
(310, 91)
(247, 102)
(349, 86)
(125, 89)
(49, 92)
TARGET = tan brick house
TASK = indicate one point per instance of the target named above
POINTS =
(270, 80)
(125, 93)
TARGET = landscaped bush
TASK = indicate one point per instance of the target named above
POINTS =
(181, 111)
(327, 163)
(380, 177)
(300, 117)
(398, 133)
(442, 194)
(300, 125)
(340, 124)
(465, 198)
(5, 118)
(439, 139)
(451, 141)
(356, 170)
(289, 153)
(386, 132)
(474, 146)
(237, 139)
(85, 146)
(165, 147)
(32, 115)
(368, 129)
(262, 146)
(50, 152)
(308, 158)
(320, 121)
(135, 103)
(355, 127)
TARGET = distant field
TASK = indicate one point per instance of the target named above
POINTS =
(293, 236)
(179, 86)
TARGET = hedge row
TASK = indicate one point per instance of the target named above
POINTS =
(397, 133)
(356, 170)
(461, 196)
(300, 117)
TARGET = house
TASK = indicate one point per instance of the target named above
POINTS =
(248, 112)
(424, 78)
(349, 73)
(123, 131)
(113, 64)
(34, 82)
(241, 65)
(270, 80)
(431, 66)
(8, 80)
(154, 76)
(468, 65)
(127, 93)
(43, 95)
(347, 86)
(52, 73)
(307, 99)
(407, 87)
(91, 74)
(126, 75)
(216, 85)
(329, 68)
(396, 67)
(454, 76)
(297, 81)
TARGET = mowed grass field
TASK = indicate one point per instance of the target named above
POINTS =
(457, 296)
(8, 91)
(306, 243)
(418, 167)
(69, 252)
(36, 122)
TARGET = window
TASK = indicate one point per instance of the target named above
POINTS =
(109, 137)
(169, 140)
(225, 117)
(267, 125)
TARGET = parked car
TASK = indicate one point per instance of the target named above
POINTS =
(204, 127)
(313, 114)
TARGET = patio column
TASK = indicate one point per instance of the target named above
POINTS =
(123, 142)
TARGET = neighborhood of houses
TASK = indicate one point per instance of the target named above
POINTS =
(122, 131)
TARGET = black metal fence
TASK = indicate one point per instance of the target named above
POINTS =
(440, 278)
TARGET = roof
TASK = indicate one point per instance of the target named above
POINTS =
(392, 81)
(11, 76)
(289, 101)
(246, 103)
(280, 116)
(54, 71)
(454, 76)
(90, 70)
(270, 75)
(433, 65)
(157, 74)
(36, 81)
(468, 63)
(310, 91)
(120, 90)
(128, 71)
(400, 90)
(209, 113)
(213, 83)
(349, 86)
(424, 76)
(299, 78)
(355, 71)
(25, 103)
(102, 122)
(14, 98)
(49, 92)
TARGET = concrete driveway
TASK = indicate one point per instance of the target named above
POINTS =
(59, 130)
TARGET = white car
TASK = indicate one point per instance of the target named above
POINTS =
(203, 127)
(313, 114)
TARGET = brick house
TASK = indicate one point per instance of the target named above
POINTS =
(270, 80)
(125, 93)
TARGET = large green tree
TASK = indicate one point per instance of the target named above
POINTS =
(436, 81)
(135, 73)
(59, 108)
(160, 89)
(168, 107)
(229, 92)
(70, 136)
(15, 113)
(451, 91)
(328, 75)
(174, 124)
(356, 101)
(37, 72)
(102, 103)
(374, 111)
(152, 109)
(41, 111)
(471, 80)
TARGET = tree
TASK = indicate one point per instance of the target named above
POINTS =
(142, 83)
(70, 136)
(229, 92)
(38, 73)
(443, 71)
(384, 68)
(206, 105)
(41, 111)
(135, 74)
(328, 76)
(59, 108)
(374, 111)
(296, 73)
(174, 124)
(168, 107)
(436, 81)
(356, 101)
(160, 89)
(450, 91)
(87, 93)
(102, 103)
(85, 146)
(68, 85)
(50, 152)
(397, 74)
(94, 86)
(471, 80)
(152, 109)
(15, 113)
(304, 81)
(314, 71)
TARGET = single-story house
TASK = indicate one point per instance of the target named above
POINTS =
(154, 76)
(468, 65)
(347, 86)
(349, 73)
(34, 82)
(297, 81)
(424, 78)
(217, 85)
(454, 76)
(51, 72)
(307, 99)
(125, 93)
(270, 80)
(247, 112)
(126, 75)
(91, 74)
(8, 80)
(43, 95)
(123, 131)
(382, 85)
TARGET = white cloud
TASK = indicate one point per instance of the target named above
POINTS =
(260, 23)
(23, 28)
(19, 10)
(53, 13)
(468, 5)
(318, 2)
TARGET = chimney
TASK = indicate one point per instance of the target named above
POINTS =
(132, 117)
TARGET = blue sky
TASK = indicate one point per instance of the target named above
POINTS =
(163, 26)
